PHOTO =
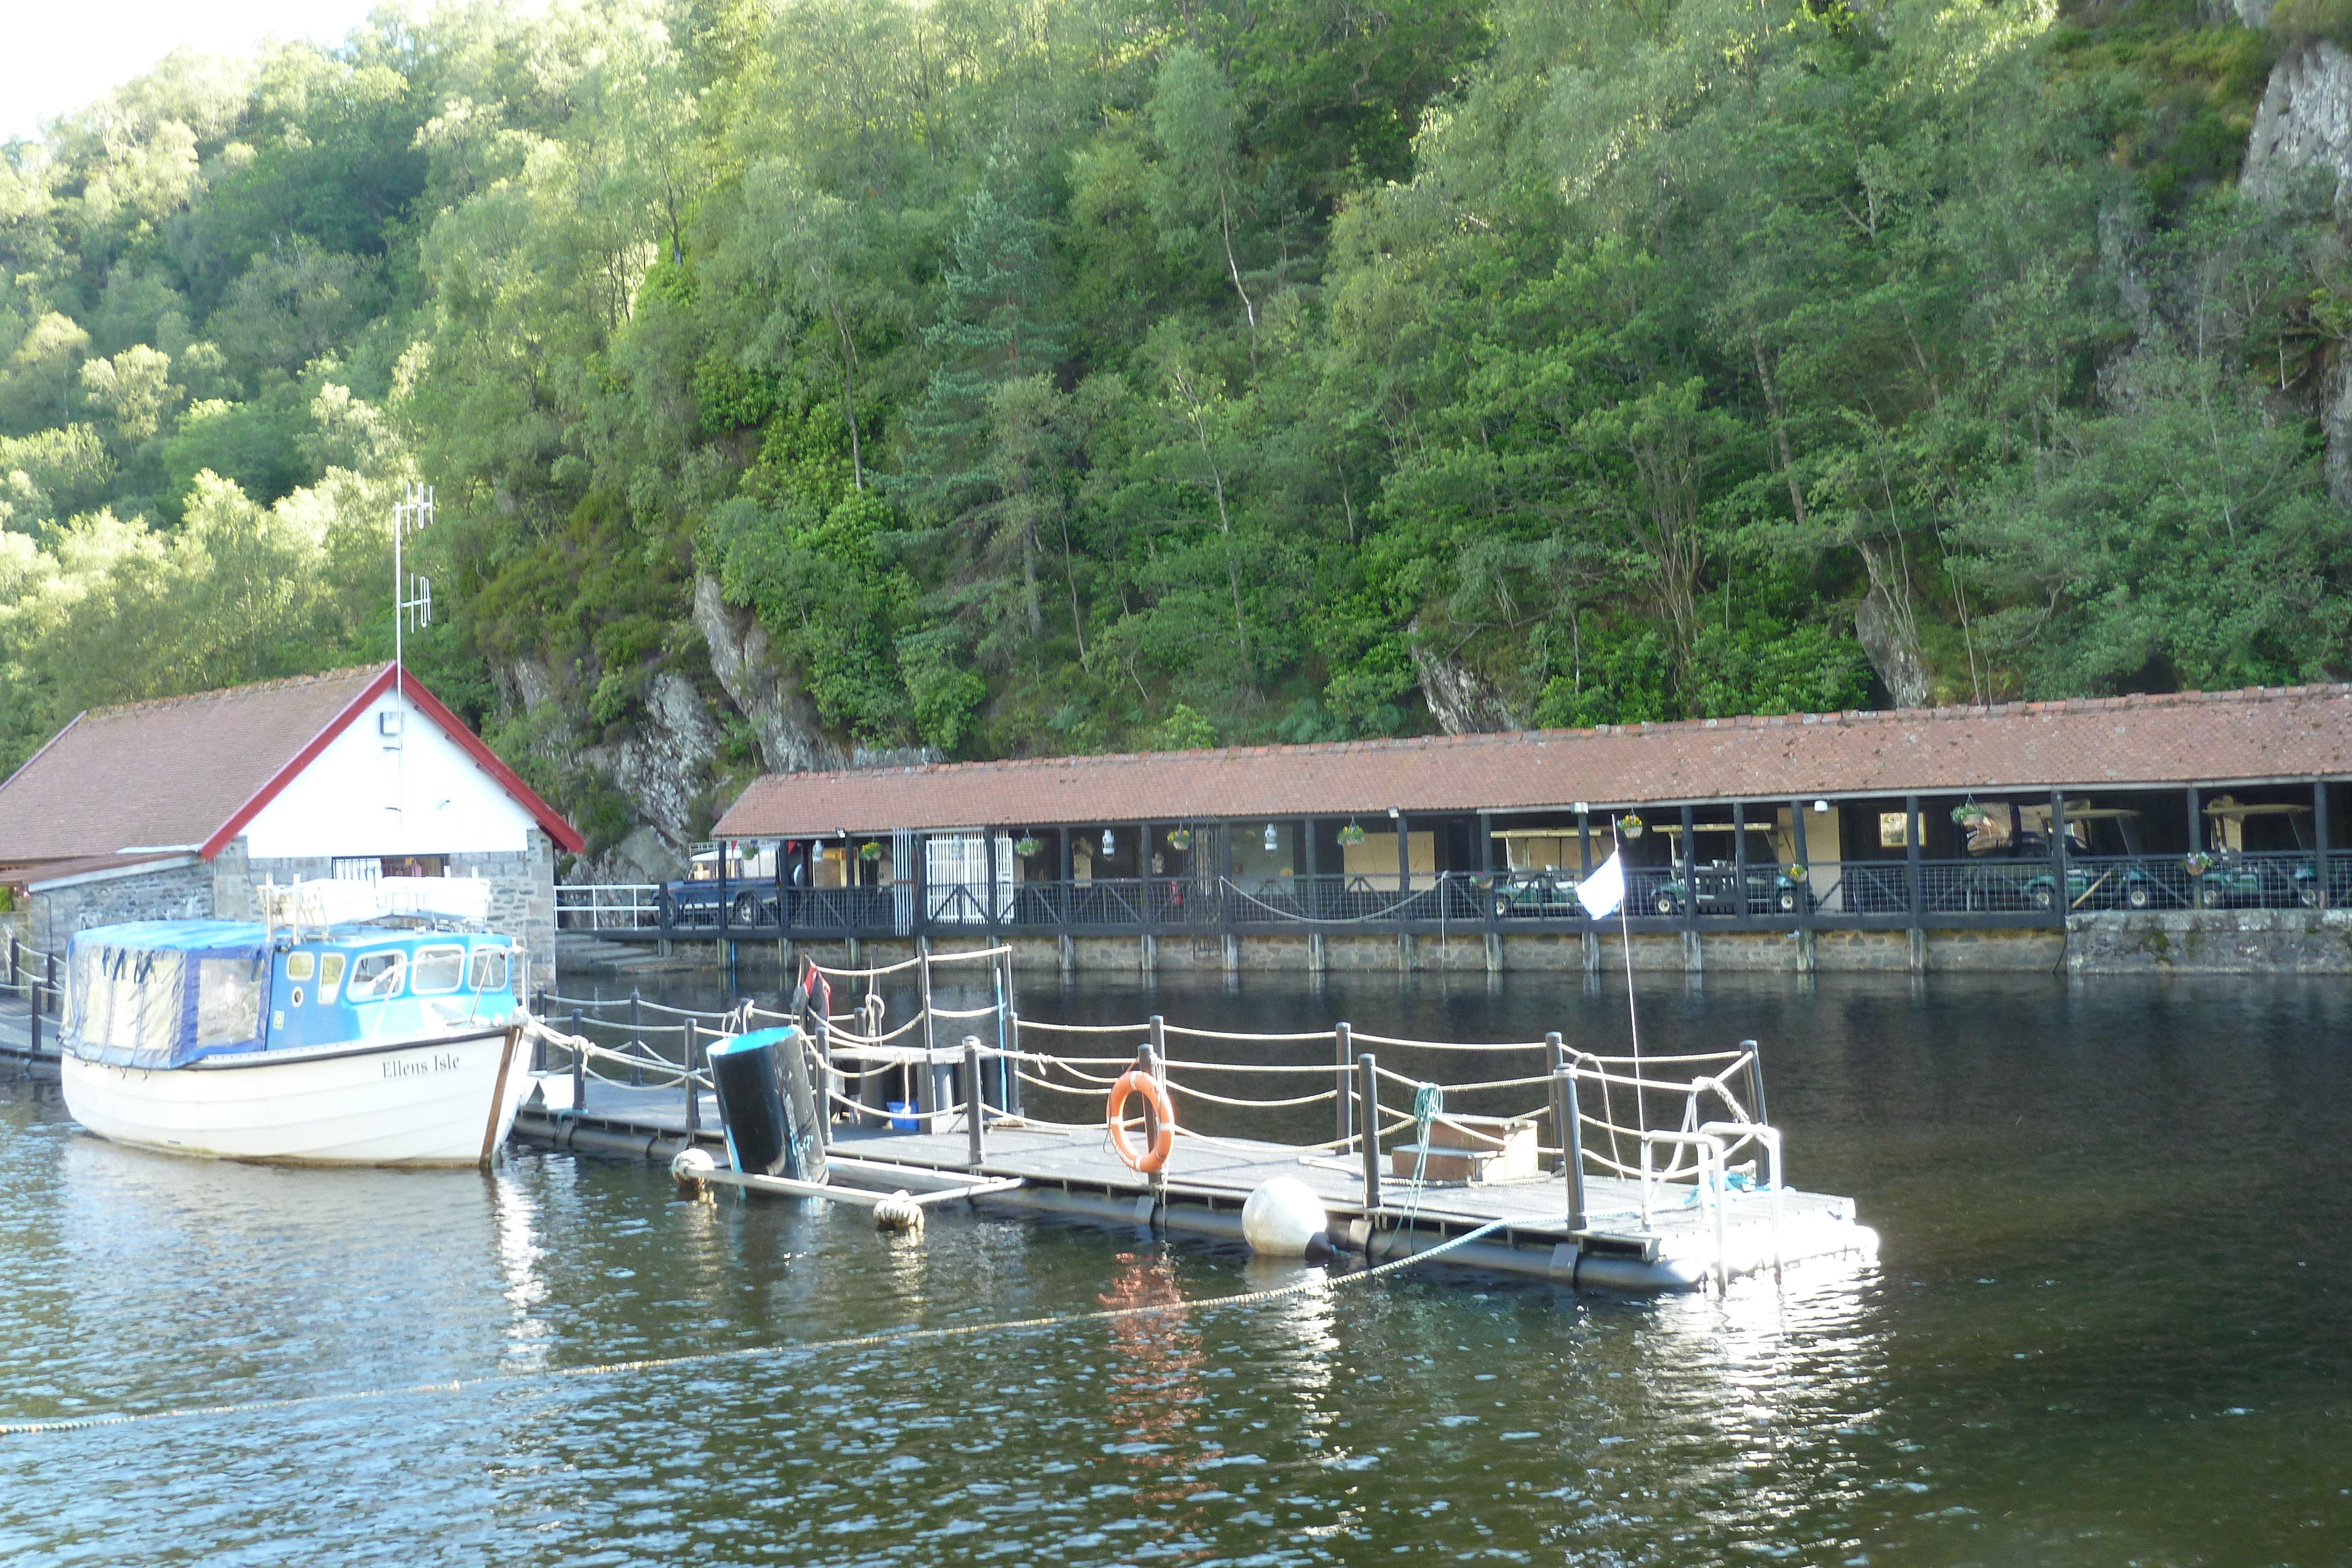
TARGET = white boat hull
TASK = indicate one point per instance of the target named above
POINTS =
(445, 1101)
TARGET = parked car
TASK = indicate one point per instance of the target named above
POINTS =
(750, 891)
(1714, 889)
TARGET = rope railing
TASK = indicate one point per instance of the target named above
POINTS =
(551, 998)
(905, 1073)
(1318, 1034)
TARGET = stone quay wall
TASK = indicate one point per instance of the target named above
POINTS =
(2210, 942)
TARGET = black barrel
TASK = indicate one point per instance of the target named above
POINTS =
(767, 1106)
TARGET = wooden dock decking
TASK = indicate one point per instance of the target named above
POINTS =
(1075, 1174)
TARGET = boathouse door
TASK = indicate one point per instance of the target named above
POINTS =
(958, 888)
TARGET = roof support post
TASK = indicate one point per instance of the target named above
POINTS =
(1584, 844)
(1147, 892)
(1226, 865)
(1911, 825)
(1313, 902)
(2059, 901)
(988, 837)
(1690, 870)
(2196, 823)
(1487, 890)
(919, 848)
(1804, 880)
(2319, 838)
(1739, 858)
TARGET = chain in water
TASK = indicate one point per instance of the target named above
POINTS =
(749, 1353)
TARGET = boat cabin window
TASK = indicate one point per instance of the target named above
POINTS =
(228, 1001)
(330, 976)
(298, 964)
(490, 969)
(375, 977)
(436, 969)
(128, 999)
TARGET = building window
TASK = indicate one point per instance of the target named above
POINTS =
(364, 868)
(416, 866)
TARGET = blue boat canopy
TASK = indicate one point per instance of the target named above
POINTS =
(162, 993)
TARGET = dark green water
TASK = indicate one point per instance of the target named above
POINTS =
(2108, 1325)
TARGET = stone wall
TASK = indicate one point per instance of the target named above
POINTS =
(180, 893)
(2211, 942)
(2224, 941)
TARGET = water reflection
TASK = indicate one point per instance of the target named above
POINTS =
(2024, 1378)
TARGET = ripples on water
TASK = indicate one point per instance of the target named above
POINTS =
(2108, 1326)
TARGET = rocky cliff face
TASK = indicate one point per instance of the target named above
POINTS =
(2302, 145)
(1463, 701)
(2303, 131)
(663, 766)
(791, 739)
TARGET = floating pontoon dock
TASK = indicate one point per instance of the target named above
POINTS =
(1613, 1204)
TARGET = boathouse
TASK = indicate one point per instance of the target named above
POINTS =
(181, 807)
(1918, 838)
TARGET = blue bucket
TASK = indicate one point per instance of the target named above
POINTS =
(902, 1116)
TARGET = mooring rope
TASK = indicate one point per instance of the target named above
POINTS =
(749, 1353)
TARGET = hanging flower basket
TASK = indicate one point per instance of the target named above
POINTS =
(1352, 834)
(1027, 845)
(1630, 825)
(1798, 873)
(1182, 839)
(1968, 814)
(2196, 863)
(869, 852)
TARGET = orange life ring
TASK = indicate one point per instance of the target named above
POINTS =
(1157, 1107)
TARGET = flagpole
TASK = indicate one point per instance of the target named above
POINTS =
(1632, 1020)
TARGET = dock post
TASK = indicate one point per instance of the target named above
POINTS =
(579, 1067)
(1567, 1121)
(975, 1113)
(636, 1036)
(1159, 1047)
(930, 1034)
(1010, 1066)
(1343, 1052)
(693, 1090)
(33, 1021)
(825, 1091)
(1756, 1076)
(1367, 1091)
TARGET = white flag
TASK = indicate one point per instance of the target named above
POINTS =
(1603, 891)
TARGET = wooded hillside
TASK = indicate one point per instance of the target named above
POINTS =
(827, 377)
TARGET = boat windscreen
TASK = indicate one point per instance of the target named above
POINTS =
(160, 993)
(228, 1001)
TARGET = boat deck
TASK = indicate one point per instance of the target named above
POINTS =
(1075, 1173)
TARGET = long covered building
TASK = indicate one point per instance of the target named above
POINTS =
(1925, 837)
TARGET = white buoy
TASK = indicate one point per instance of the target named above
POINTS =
(690, 1168)
(1283, 1219)
(899, 1212)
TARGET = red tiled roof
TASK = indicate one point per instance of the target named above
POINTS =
(188, 773)
(2236, 737)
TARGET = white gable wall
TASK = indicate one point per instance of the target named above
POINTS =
(363, 795)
